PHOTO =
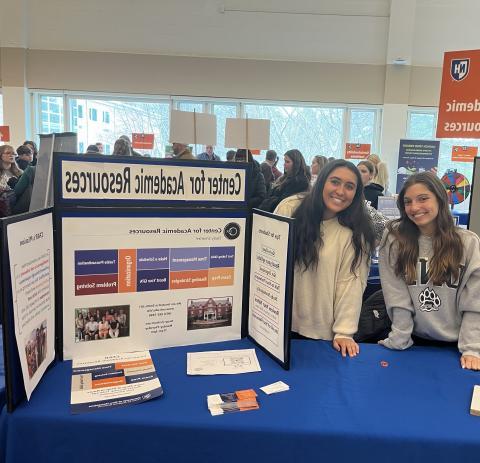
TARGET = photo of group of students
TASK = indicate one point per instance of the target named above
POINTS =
(36, 348)
(429, 267)
(102, 323)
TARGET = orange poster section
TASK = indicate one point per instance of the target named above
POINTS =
(459, 108)
(127, 270)
(464, 153)
(4, 133)
(357, 150)
(143, 141)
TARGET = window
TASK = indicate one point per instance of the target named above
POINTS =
(312, 130)
(81, 147)
(125, 117)
(106, 149)
(363, 127)
(222, 111)
(51, 118)
(422, 124)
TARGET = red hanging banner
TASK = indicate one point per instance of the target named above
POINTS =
(464, 153)
(357, 150)
(4, 133)
(143, 141)
(459, 108)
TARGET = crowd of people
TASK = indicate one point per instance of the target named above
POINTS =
(100, 324)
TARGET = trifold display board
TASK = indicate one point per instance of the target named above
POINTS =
(28, 301)
(271, 284)
(150, 254)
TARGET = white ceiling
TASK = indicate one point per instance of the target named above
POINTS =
(340, 31)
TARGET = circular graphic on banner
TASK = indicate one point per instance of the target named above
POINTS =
(231, 231)
(457, 187)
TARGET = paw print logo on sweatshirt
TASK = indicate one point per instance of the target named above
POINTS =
(429, 300)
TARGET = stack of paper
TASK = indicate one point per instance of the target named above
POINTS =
(279, 386)
(475, 405)
(238, 401)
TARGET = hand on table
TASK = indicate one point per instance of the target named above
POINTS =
(470, 362)
(346, 346)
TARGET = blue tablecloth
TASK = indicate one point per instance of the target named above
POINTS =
(414, 410)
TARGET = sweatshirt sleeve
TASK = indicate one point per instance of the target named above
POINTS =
(397, 300)
(469, 302)
(348, 294)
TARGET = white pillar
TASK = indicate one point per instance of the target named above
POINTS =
(13, 40)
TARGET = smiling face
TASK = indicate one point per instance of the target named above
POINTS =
(421, 207)
(339, 191)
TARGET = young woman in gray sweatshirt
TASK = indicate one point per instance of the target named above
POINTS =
(430, 272)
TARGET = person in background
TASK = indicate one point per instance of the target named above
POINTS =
(256, 182)
(23, 190)
(100, 147)
(34, 149)
(208, 154)
(121, 148)
(230, 156)
(9, 171)
(267, 167)
(430, 273)
(334, 239)
(92, 149)
(132, 151)
(331, 158)
(374, 159)
(318, 163)
(296, 179)
(182, 151)
(371, 190)
(382, 177)
(24, 156)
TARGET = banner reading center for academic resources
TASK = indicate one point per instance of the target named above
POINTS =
(147, 180)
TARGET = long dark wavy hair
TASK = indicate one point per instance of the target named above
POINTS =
(299, 170)
(309, 216)
(447, 244)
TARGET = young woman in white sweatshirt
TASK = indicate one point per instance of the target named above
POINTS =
(430, 273)
(334, 239)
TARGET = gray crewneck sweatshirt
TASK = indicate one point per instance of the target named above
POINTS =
(449, 312)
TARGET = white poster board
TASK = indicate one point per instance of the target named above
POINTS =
(42, 193)
(192, 127)
(269, 317)
(30, 249)
(253, 134)
(160, 281)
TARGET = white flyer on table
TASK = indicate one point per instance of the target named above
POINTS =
(113, 381)
(223, 362)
